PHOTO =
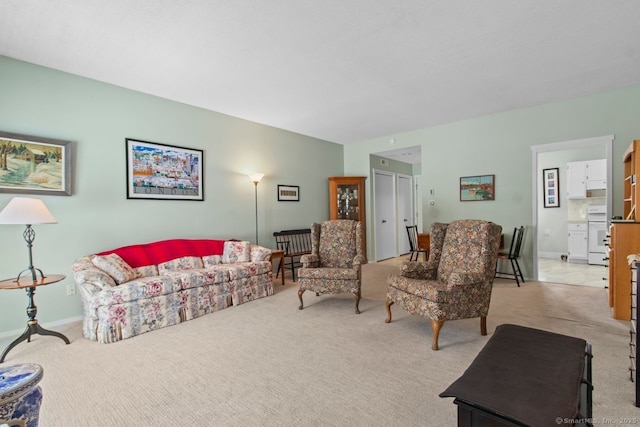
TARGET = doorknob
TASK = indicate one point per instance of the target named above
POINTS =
(405, 220)
(384, 221)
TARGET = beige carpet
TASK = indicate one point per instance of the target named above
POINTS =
(265, 363)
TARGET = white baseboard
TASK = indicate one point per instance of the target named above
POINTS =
(56, 326)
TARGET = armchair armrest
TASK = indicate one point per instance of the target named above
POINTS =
(260, 253)
(310, 261)
(419, 270)
(464, 278)
(90, 277)
(358, 260)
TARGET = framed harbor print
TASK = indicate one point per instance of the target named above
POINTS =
(34, 165)
(477, 188)
(163, 172)
(551, 188)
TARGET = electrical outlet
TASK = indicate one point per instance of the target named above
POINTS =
(71, 289)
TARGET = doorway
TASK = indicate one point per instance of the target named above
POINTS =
(405, 211)
(542, 226)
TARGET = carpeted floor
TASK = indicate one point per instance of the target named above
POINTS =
(265, 363)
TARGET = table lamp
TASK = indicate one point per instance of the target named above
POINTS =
(28, 211)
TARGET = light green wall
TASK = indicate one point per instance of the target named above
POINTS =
(98, 117)
(501, 144)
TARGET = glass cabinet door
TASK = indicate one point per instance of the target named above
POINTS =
(348, 202)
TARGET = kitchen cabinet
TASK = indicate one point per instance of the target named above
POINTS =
(578, 242)
(587, 175)
(596, 172)
(576, 180)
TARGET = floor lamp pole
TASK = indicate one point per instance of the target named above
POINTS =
(256, 192)
(255, 178)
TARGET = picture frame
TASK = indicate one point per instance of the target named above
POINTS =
(551, 187)
(34, 165)
(288, 193)
(163, 172)
(477, 188)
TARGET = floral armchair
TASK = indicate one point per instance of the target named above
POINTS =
(334, 265)
(457, 280)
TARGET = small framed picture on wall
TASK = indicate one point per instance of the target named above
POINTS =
(551, 188)
(288, 193)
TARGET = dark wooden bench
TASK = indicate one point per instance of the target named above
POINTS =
(294, 243)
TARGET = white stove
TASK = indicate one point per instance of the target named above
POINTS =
(597, 220)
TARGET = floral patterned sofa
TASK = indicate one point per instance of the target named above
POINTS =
(139, 288)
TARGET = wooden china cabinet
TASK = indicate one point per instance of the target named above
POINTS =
(347, 201)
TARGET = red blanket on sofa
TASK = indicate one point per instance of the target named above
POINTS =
(166, 250)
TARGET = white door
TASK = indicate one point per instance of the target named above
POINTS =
(385, 218)
(405, 212)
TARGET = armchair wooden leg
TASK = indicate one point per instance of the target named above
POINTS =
(483, 325)
(436, 325)
(388, 305)
(357, 294)
(300, 292)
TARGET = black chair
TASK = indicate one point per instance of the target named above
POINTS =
(294, 243)
(512, 256)
(412, 232)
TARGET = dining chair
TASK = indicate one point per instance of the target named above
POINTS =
(412, 232)
(512, 256)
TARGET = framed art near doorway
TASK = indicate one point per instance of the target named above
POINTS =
(476, 188)
(551, 187)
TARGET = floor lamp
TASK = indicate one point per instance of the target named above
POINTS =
(27, 211)
(255, 178)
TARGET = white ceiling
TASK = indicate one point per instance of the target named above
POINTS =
(339, 70)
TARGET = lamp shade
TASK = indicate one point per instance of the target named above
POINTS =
(27, 211)
(256, 177)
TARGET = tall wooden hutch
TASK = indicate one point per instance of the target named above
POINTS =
(624, 237)
(347, 201)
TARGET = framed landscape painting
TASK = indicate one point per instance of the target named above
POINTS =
(163, 172)
(34, 165)
(551, 187)
(477, 188)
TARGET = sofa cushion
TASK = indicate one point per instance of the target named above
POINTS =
(147, 271)
(236, 251)
(115, 267)
(142, 288)
(211, 260)
(179, 264)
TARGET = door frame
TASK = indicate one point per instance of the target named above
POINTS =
(411, 209)
(576, 144)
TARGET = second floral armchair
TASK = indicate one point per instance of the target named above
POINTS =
(457, 280)
(334, 265)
